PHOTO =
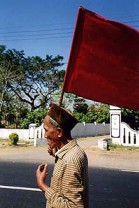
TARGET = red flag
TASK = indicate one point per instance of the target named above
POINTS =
(104, 61)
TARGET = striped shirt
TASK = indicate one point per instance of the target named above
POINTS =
(69, 182)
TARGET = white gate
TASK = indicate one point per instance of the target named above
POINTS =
(120, 132)
(129, 137)
(39, 136)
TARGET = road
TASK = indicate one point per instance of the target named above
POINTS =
(108, 187)
(113, 178)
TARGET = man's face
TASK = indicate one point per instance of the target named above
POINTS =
(51, 133)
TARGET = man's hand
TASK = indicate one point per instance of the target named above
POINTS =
(41, 174)
(52, 151)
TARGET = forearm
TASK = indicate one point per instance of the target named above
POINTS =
(42, 186)
(41, 175)
(59, 200)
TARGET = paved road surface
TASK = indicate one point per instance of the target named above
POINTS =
(108, 187)
(113, 176)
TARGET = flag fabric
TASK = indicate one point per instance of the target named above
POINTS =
(104, 61)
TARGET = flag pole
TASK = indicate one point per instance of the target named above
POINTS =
(61, 97)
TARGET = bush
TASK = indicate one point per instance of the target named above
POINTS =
(2, 125)
(13, 137)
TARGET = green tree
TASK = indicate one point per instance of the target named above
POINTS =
(35, 116)
(94, 113)
(131, 117)
(13, 111)
(41, 79)
(8, 75)
(80, 105)
(36, 78)
(103, 114)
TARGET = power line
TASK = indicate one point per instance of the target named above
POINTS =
(35, 31)
(33, 35)
(43, 34)
(43, 25)
(53, 29)
(61, 24)
(44, 38)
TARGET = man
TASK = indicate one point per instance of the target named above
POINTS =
(69, 182)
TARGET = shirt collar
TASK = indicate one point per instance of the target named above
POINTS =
(61, 152)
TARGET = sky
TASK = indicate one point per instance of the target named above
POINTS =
(47, 26)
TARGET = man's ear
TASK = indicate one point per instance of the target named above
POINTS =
(60, 132)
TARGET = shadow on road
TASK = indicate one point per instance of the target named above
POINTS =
(107, 187)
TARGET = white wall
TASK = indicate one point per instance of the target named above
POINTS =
(22, 133)
(80, 130)
(90, 129)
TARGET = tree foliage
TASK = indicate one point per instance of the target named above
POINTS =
(130, 117)
(35, 116)
(80, 105)
(41, 79)
(32, 79)
(8, 74)
(28, 82)
(13, 111)
(91, 113)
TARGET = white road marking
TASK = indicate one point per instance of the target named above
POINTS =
(19, 188)
(131, 171)
(36, 189)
